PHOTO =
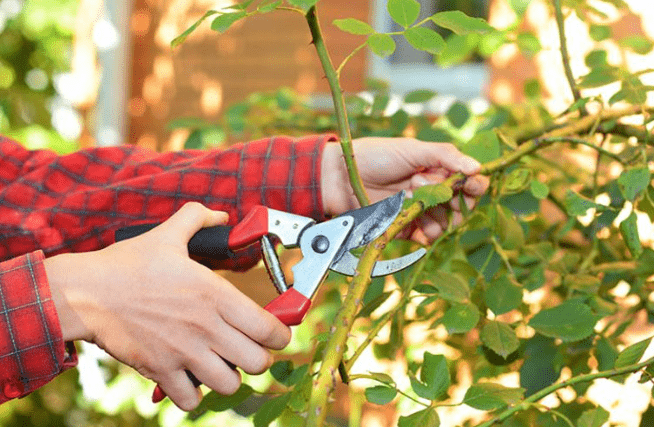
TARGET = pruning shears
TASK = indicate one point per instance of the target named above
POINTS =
(324, 246)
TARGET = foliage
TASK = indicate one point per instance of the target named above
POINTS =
(35, 48)
(542, 280)
(570, 235)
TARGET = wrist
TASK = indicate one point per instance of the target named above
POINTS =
(67, 281)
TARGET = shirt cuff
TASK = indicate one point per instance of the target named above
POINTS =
(32, 350)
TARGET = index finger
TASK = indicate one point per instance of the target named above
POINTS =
(432, 155)
(247, 316)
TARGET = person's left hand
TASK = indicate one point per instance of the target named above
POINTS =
(388, 165)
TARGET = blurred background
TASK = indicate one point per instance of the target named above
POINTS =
(98, 72)
(85, 73)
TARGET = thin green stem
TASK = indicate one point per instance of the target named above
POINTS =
(525, 404)
(564, 53)
(339, 107)
(500, 251)
(347, 59)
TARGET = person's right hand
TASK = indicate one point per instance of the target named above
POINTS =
(150, 306)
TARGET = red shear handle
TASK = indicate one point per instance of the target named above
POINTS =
(290, 307)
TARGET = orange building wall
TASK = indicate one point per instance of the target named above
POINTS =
(209, 71)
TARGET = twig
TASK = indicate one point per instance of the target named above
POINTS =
(347, 58)
(564, 54)
(572, 381)
(339, 107)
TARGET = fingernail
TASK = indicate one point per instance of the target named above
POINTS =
(420, 180)
(469, 165)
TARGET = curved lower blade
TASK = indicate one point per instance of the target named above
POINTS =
(370, 222)
(348, 264)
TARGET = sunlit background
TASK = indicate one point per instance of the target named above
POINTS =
(84, 73)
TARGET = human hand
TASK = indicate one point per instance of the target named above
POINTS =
(388, 165)
(150, 306)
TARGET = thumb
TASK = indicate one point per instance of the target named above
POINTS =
(190, 219)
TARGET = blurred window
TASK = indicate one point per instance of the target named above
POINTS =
(410, 69)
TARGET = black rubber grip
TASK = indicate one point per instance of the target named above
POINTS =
(210, 242)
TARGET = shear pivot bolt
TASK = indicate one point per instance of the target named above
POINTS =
(320, 244)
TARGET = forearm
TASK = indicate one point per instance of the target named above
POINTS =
(74, 203)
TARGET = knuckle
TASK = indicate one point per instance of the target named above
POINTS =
(262, 363)
(231, 384)
(188, 403)
(448, 146)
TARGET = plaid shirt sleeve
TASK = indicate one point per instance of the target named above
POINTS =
(51, 204)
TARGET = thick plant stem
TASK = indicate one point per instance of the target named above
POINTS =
(557, 135)
(572, 381)
(339, 107)
(564, 52)
(325, 380)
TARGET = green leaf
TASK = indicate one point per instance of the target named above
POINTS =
(585, 283)
(598, 77)
(458, 114)
(224, 21)
(528, 43)
(460, 318)
(381, 44)
(194, 141)
(632, 354)
(632, 182)
(354, 26)
(502, 295)
(303, 4)
(569, 321)
(639, 44)
(399, 121)
(606, 354)
(508, 229)
(484, 147)
(593, 418)
(532, 89)
(271, 410)
(281, 371)
(217, 402)
(629, 232)
(432, 195)
(491, 396)
(499, 337)
(403, 12)
(380, 394)
(419, 96)
(646, 204)
(516, 181)
(265, 8)
(597, 58)
(538, 189)
(460, 23)
(425, 39)
(182, 37)
(451, 287)
(424, 418)
(577, 205)
(599, 32)
(458, 49)
(434, 377)
(519, 6)
(382, 378)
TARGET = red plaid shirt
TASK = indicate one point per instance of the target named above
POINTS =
(51, 204)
